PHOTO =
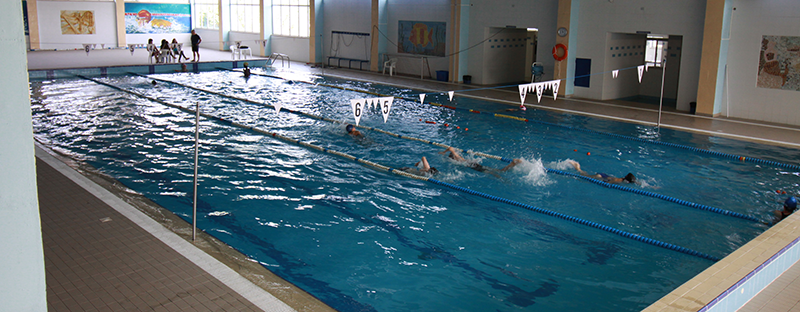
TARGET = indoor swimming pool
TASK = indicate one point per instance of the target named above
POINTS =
(363, 239)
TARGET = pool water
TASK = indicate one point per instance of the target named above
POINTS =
(365, 240)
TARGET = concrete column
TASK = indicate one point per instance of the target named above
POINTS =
(713, 58)
(373, 33)
(121, 38)
(33, 24)
(224, 23)
(22, 276)
(561, 67)
(455, 31)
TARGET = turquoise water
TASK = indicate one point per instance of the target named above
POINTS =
(364, 240)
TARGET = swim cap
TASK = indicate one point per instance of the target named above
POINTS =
(790, 202)
(630, 178)
(349, 128)
(245, 64)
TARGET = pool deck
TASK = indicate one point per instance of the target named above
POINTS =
(103, 254)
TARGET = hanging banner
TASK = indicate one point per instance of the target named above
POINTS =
(358, 109)
(450, 93)
(523, 91)
(386, 106)
(556, 86)
(539, 88)
(383, 103)
(641, 71)
(615, 73)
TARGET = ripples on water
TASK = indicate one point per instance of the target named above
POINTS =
(359, 239)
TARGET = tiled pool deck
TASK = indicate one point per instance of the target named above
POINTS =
(98, 258)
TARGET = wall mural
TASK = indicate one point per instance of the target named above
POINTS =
(157, 18)
(779, 63)
(426, 38)
(77, 22)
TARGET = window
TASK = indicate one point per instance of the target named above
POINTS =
(655, 51)
(206, 14)
(291, 18)
(245, 16)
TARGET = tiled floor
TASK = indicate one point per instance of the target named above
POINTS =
(774, 298)
(97, 259)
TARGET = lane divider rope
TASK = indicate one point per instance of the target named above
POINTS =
(674, 145)
(380, 167)
(505, 159)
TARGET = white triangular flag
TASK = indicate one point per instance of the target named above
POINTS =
(87, 47)
(386, 106)
(450, 94)
(103, 45)
(372, 103)
(358, 109)
(556, 86)
(422, 98)
(523, 91)
(132, 47)
(278, 106)
(647, 68)
(641, 71)
(615, 73)
(539, 90)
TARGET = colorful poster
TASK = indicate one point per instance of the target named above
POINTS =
(426, 38)
(77, 22)
(779, 63)
(157, 18)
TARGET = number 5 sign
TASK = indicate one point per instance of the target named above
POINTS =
(384, 103)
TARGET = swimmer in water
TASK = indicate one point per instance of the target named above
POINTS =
(630, 178)
(454, 155)
(788, 207)
(351, 130)
(246, 70)
(425, 170)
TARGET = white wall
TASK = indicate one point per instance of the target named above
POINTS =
(541, 14)
(674, 17)
(345, 15)
(504, 56)
(295, 48)
(749, 22)
(210, 39)
(417, 10)
(49, 14)
(616, 48)
(22, 276)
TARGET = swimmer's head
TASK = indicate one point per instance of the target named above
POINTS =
(245, 64)
(630, 178)
(349, 128)
(790, 203)
(433, 171)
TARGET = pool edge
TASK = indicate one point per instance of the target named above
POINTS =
(731, 282)
(242, 274)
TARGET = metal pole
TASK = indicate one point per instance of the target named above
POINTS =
(196, 145)
(661, 100)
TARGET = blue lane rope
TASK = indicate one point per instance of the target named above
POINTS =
(680, 146)
(436, 182)
(579, 221)
(508, 160)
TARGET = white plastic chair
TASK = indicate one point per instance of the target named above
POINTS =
(239, 49)
(390, 64)
(165, 55)
(150, 48)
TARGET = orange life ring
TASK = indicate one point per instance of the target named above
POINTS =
(555, 52)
